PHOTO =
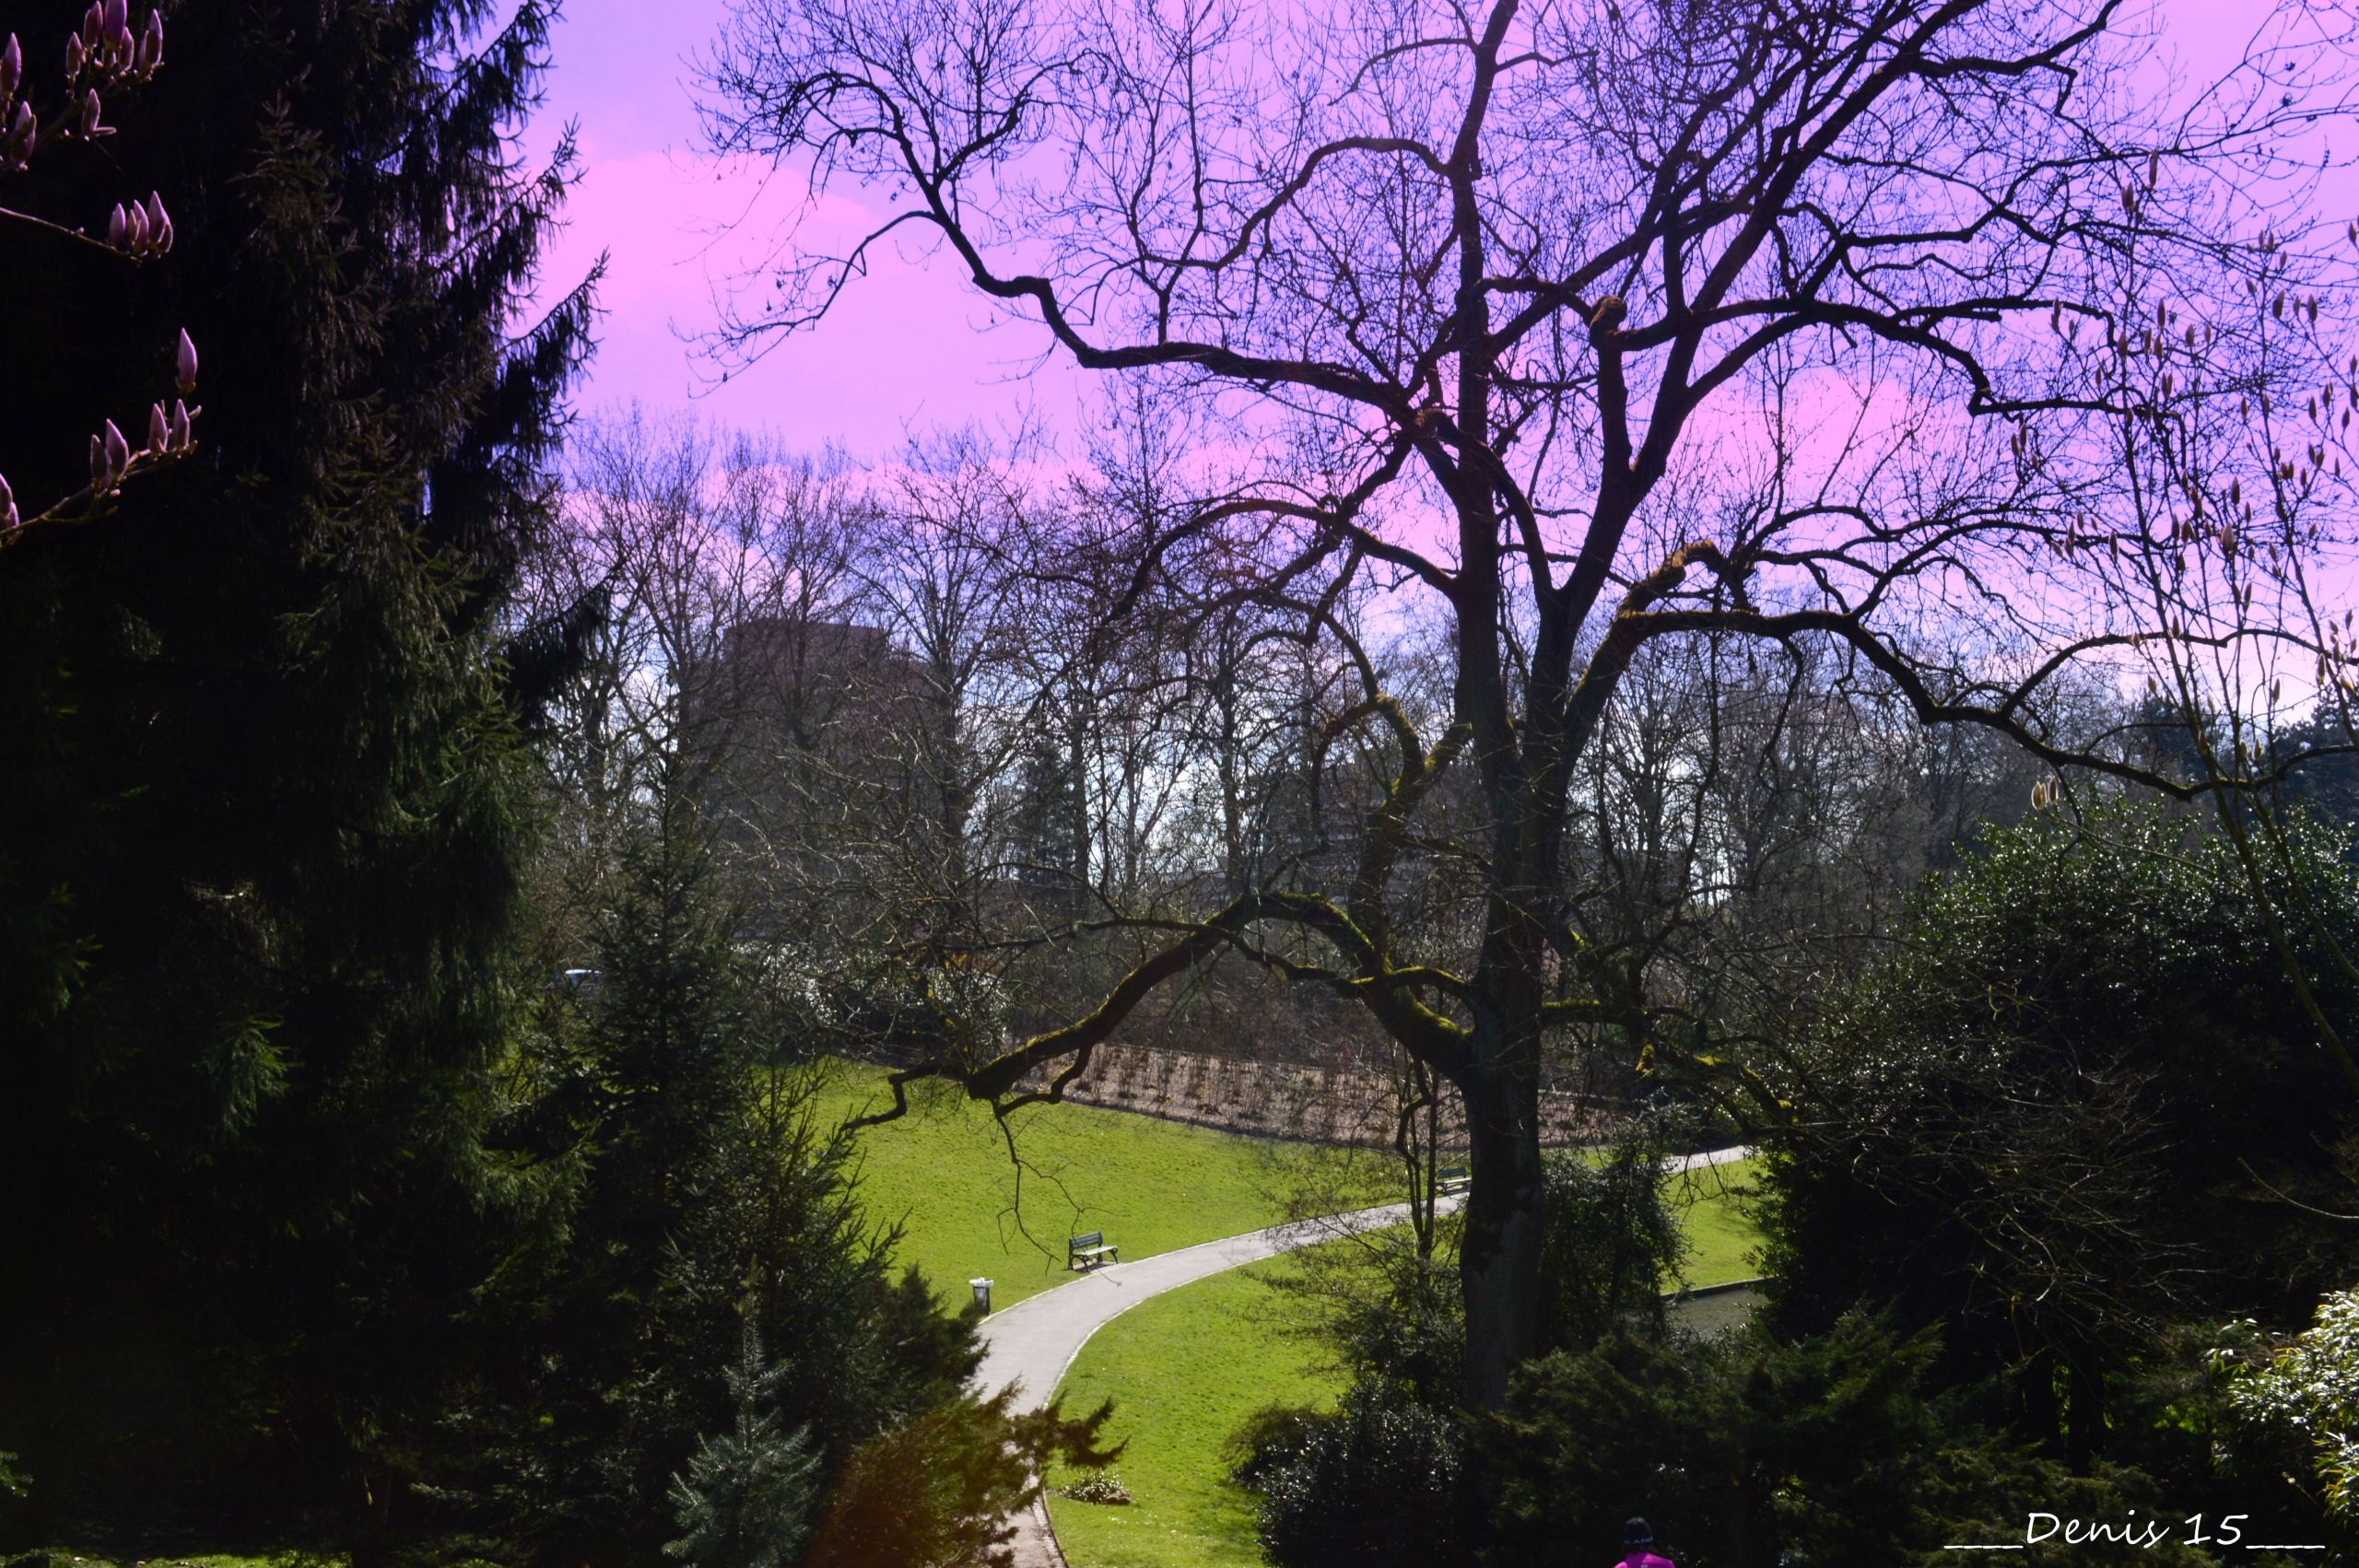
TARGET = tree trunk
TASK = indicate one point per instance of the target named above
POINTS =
(1499, 1262)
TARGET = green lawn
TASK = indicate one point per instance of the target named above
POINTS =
(944, 1174)
(1720, 1236)
(1186, 1368)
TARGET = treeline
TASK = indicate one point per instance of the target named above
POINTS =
(336, 1221)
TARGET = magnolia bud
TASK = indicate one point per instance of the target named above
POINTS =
(160, 223)
(178, 433)
(160, 429)
(118, 450)
(7, 506)
(184, 364)
(23, 131)
(98, 466)
(89, 124)
(12, 69)
(151, 45)
(136, 226)
(94, 28)
(118, 227)
(72, 57)
(115, 17)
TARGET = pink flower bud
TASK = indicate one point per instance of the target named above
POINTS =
(160, 223)
(180, 439)
(72, 57)
(7, 506)
(160, 429)
(89, 122)
(12, 69)
(151, 45)
(118, 451)
(118, 227)
(94, 28)
(98, 466)
(23, 131)
(115, 17)
(184, 364)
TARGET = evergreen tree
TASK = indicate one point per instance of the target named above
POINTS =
(261, 747)
(746, 1499)
(711, 1204)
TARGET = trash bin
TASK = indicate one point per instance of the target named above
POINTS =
(983, 1289)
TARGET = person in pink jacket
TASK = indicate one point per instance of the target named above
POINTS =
(1636, 1539)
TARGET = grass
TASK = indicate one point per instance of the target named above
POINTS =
(945, 1175)
(1186, 1368)
(1720, 1236)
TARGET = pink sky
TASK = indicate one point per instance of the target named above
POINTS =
(903, 350)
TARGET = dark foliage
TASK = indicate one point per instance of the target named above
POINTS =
(2078, 1104)
(267, 803)
(1749, 1453)
(1611, 1243)
(1381, 1482)
(710, 1208)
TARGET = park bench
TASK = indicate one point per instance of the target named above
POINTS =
(1085, 1251)
(1454, 1178)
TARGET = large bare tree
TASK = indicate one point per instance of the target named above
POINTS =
(1607, 321)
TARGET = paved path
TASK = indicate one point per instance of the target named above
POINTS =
(1031, 1343)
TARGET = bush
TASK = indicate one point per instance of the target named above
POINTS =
(1378, 1485)
(1748, 1453)
(937, 1491)
(2078, 1103)
(1271, 1439)
(1106, 1487)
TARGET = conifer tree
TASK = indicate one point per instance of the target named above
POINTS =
(261, 746)
(745, 1501)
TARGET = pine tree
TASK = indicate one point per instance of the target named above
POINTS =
(261, 743)
(745, 1501)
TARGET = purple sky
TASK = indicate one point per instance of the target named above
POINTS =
(902, 350)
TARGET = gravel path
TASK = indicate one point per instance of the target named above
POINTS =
(1031, 1343)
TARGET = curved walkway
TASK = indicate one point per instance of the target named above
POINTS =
(1032, 1343)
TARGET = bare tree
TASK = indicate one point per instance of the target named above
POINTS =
(1605, 322)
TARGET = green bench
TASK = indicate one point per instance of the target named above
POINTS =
(1088, 1251)
(1454, 1178)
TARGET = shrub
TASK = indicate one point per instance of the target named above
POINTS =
(1749, 1453)
(1378, 1485)
(1104, 1487)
